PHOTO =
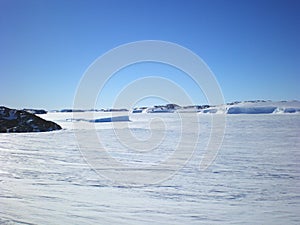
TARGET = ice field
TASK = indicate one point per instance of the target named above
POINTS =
(255, 178)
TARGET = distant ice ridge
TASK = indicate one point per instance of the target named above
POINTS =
(246, 107)
(255, 107)
(262, 107)
(169, 108)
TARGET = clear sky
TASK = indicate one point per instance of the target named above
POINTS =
(252, 46)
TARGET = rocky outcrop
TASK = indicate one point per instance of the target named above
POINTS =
(12, 120)
(36, 111)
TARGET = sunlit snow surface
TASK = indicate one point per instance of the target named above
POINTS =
(255, 178)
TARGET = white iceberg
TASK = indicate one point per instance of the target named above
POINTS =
(111, 119)
(255, 107)
(251, 110)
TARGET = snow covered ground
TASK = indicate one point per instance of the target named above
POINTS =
(255, 178)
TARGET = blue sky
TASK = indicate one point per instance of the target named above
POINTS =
(252, 47)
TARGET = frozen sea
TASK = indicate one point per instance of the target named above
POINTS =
(255, 178)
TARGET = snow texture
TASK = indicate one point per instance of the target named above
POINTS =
(44, 178)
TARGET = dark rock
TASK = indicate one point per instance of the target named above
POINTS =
(233, 103)
(172, 106)
(203, 106)
(12, 120)
(36, 111)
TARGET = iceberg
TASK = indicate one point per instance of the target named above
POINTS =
(103, 120)
(251, 110)
(111, 119)
(291, 110)
(254, 107)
